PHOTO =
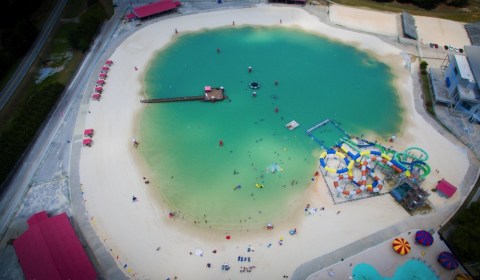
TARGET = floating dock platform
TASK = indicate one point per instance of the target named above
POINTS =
(210, 94)
(292, 125)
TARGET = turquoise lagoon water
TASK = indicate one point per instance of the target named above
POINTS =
(317, 79)
(410, 270)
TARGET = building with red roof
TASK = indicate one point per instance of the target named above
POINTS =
(445, 188)
(49, 249)
(153, 9)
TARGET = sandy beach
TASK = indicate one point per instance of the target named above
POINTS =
(148, 245)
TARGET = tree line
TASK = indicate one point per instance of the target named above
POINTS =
(17, 133)
(90, 21)
(465, 238)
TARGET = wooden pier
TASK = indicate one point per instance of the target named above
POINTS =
(213, 95)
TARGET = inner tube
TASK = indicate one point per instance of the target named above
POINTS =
(254, 85)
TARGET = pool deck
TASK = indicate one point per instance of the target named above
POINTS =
(383, 258)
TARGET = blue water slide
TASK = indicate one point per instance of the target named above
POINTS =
(376, 153)
(343, 170)
(352, 155)
(417, 162)
(398, 164)
(322, 162)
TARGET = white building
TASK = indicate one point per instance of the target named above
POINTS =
(458, 87)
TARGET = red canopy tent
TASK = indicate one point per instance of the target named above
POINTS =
(49, 249)
(155, 8)
(102, 75)
(446, 188)
(101, 82)
(87, 142)
(109, 62)
(99, 89)
(88, 132)
(96, 96)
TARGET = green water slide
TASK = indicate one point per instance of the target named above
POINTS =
(351, 144)
(415, 162)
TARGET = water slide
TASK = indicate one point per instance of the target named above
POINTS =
(364, 143)
(332, 153)
(416, 163)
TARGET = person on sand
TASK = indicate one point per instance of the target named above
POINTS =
(134, 198)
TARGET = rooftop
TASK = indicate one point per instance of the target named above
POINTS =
(446, 188)
(464, 68)
(473, 57)
(155, 8)
(50, 249)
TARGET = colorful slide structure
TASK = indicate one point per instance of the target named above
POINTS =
(410, 162)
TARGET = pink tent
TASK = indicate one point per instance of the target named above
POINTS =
(105, 68)
(109, 62)
(446, 188)
(96, 96)
(102, 75)
(99, 89)
(208, 88)
(100, 82)
(87, 142)
(88, 132)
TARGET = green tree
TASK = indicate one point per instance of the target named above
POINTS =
(84, 32)
(465, 237)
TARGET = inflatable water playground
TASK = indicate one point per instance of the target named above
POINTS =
(357, 168)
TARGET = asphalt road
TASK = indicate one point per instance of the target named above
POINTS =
(32, 54)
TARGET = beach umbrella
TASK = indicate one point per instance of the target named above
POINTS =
(447, 260)
(109, 62)
(424, 238)
(96, 96)
(98, 88)
(401, 246)
(102, 75)
(87, 142)
(100, 82)
(88, 132)
(105, 68)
